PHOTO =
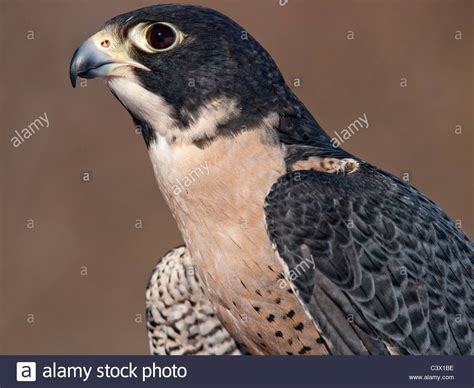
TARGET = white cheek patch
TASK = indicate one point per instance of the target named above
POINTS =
(146, 105)
(154, 110)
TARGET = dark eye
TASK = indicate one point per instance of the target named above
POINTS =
(161, 36)
(156, 37)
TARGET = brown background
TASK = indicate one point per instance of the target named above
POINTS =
(93, 224)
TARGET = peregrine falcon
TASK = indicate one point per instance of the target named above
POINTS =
(300, 247)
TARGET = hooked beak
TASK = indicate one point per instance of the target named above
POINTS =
(96, 57)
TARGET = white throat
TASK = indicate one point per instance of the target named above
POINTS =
(155, 111)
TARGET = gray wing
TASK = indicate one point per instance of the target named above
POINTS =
(180, 318)
(388, 267)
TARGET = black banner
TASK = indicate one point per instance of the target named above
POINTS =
(329, 371)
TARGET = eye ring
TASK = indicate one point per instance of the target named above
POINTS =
(159, 37)
(142, 38)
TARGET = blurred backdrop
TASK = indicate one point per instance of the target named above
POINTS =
(83, 222)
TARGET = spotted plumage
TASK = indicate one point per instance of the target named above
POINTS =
(180, 318)
(299, 247)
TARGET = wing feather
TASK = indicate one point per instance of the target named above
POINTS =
(383, 253)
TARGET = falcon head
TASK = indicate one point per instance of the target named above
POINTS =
(184, 73)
